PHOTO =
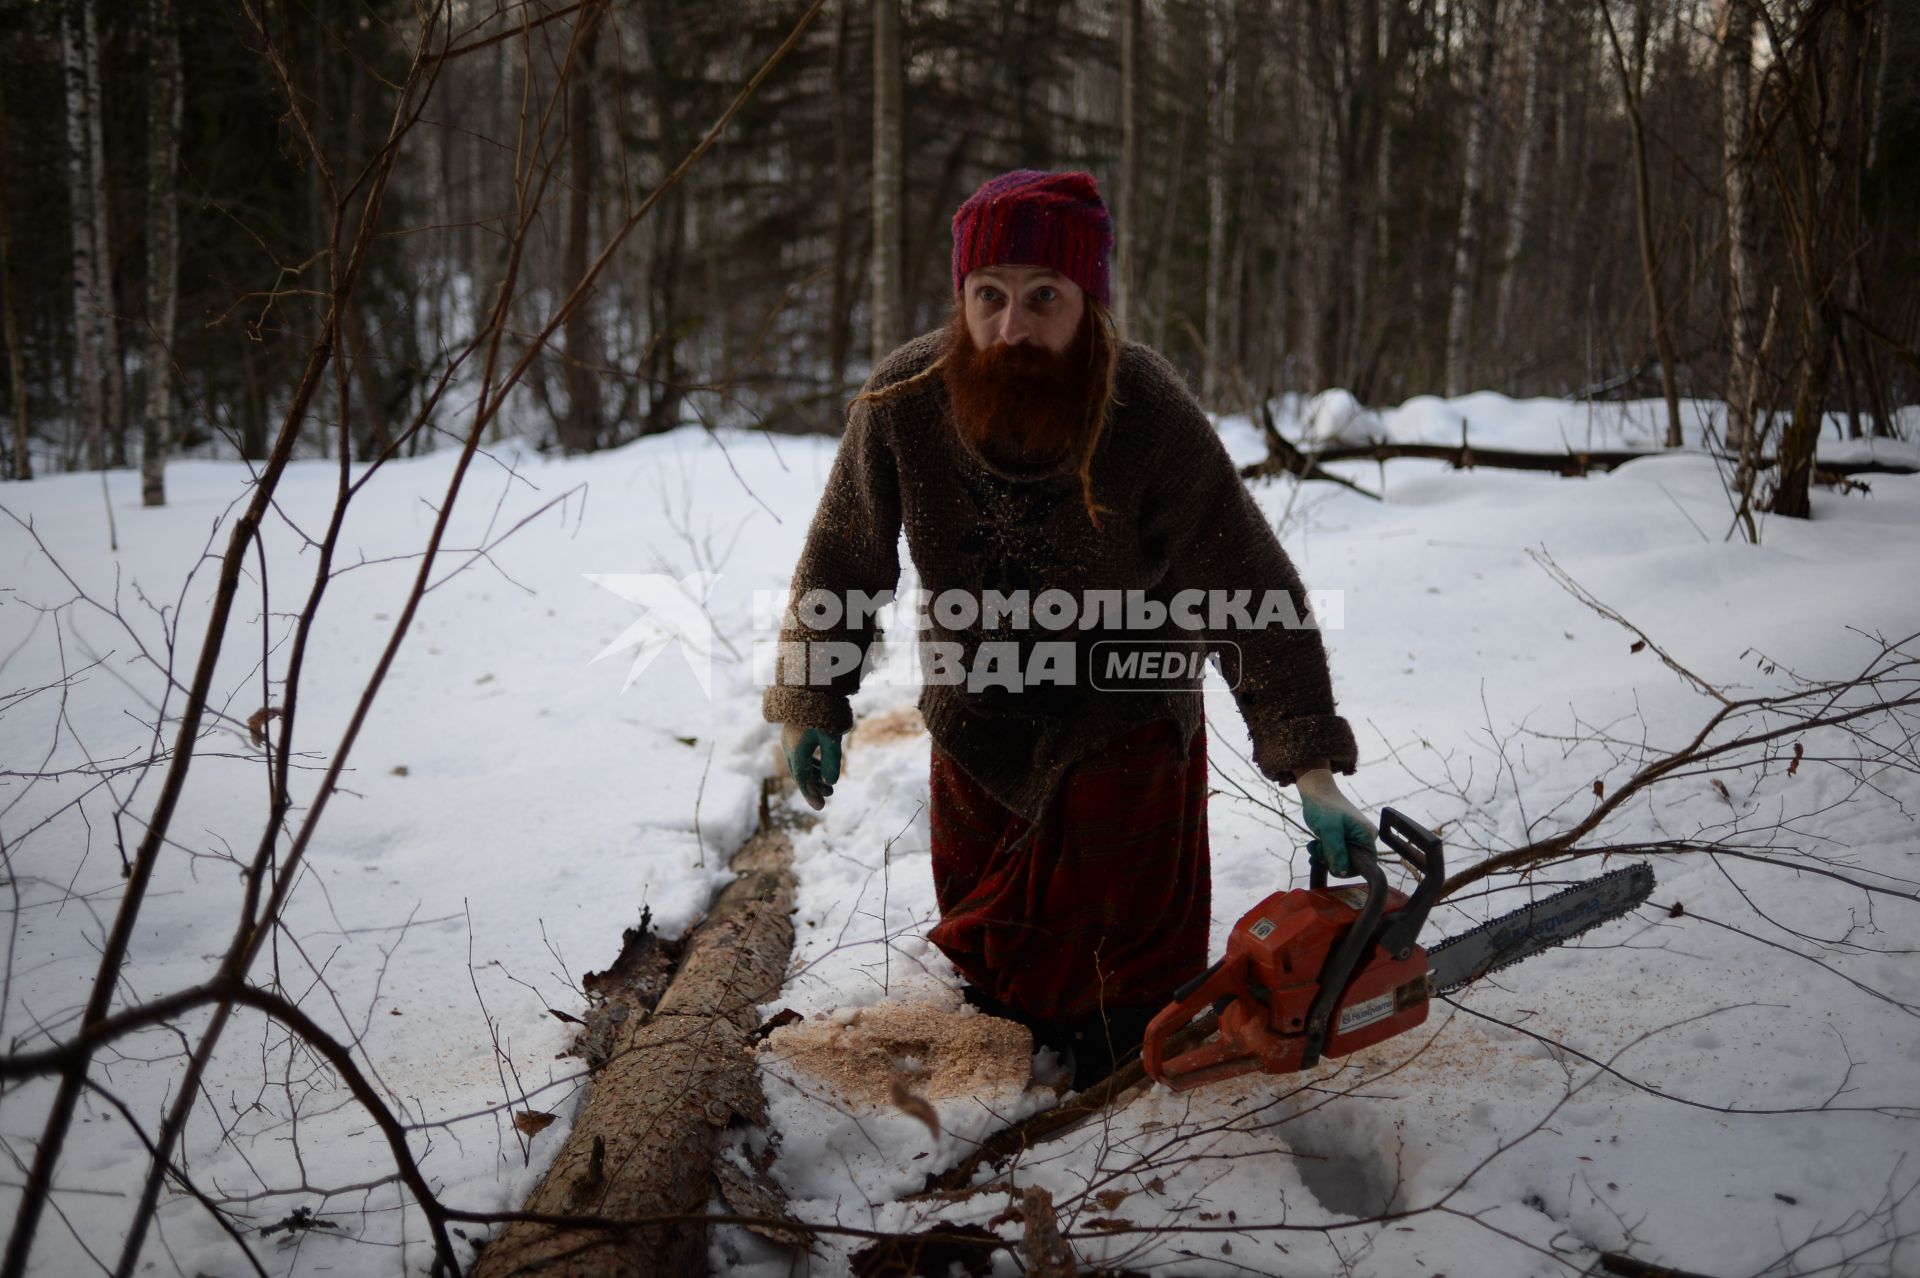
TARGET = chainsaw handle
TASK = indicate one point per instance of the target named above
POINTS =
(1347, 955)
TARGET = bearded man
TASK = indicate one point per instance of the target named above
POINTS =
(1027, 451)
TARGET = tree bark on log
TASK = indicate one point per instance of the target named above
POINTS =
(645, 1142)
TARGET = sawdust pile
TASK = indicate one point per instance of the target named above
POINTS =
(901, 723)
(935, 1052)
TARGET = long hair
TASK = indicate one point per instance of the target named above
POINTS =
(1103, 360)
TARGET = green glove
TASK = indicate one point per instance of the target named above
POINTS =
(1336, 824)
(813, 757)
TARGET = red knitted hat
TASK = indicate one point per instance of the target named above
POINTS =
(1033, 218)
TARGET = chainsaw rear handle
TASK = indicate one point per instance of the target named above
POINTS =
(1345, 959)
(1420, 848)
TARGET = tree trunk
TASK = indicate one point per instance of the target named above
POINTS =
(111, 366)
(1792, 493)
(663, 342)
(1829, 216)
(88, 408)
(1630, 81)
(1221, 68)
(9, 311)
(1520, 211)
(645, 1140)
(1467, 242)
(253, 423)
(1313, 276)
(1127, 189)
(1743, 260)
(888, 305)
(579, 427)
(1466, 247)
(1383, 173)
(163, 153)
(839, 312)
(1876, 117)
(372, 436)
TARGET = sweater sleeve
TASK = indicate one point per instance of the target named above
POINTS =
(852, 545)
(1201, 517)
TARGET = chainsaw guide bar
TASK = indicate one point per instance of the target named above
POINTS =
(1499, 943)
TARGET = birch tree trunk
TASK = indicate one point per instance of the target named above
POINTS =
(9, 312)
(111, 367)
(87, 406)
(888, 181)
(1520, 211)
(1743, 265)
(163, 155)
(1466, 248)
(1889, 28)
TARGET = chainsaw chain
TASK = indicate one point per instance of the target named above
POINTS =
(1636, 889)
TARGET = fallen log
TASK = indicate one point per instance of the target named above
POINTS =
(644, 1146)
(1464, 456)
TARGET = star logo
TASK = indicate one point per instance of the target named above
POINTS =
(674, 610)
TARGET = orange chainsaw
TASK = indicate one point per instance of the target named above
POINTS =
(1321, 972)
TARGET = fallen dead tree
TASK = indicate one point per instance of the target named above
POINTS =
(667, 1084)
(1288, 458)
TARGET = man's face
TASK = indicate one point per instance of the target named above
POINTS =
(1023, 393)
(1012, 305)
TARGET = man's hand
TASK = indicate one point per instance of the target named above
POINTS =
(813, 757)
(1336, 824)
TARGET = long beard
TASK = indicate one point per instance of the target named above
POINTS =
(1020, 406)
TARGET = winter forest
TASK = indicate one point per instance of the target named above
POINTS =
(1395, 197)
(394, 880)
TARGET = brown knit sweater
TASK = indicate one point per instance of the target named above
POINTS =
(1177, 516)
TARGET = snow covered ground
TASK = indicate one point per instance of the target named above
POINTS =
(512, 805)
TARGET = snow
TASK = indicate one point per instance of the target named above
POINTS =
(511, 805)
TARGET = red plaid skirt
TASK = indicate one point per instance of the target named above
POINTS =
(1104, 903)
